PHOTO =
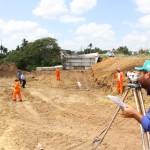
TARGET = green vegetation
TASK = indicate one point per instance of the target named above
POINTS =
(42, 52)
(122, 50)
(90, 50)
(46, 52)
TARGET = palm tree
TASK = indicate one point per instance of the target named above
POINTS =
(24, 44)
(1, 48)
(90, 46)
(18, 48)
(5, 50)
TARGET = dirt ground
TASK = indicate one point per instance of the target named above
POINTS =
(60, 115)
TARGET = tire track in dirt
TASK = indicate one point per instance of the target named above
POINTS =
(61, 119)
(70, 131)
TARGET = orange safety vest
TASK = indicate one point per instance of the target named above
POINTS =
(119, 79)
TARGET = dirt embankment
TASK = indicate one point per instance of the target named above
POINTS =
(102, 74)
(8, 69)
(104, 71)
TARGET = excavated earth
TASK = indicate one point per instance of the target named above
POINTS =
(61, 115)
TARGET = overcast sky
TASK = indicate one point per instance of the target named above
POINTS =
(75, 24)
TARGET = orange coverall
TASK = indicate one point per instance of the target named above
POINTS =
(17, 91)
(119, 81)
(57, 74)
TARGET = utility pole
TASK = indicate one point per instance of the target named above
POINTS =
(1, 47)
(81, 50)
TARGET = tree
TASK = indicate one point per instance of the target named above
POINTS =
(90, 46)
(1, 48)
(18, 48)
(5, 50)
(24, 44)
(42, 52)
(144, 51)
(123, 50)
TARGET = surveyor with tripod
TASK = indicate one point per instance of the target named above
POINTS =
(144, 80)
(137, 80)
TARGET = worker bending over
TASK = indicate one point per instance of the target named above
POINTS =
(57, 74)
(17, 90)
(119, 80)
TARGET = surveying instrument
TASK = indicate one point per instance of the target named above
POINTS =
(136, 89)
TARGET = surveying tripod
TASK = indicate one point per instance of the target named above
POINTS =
(136, 89)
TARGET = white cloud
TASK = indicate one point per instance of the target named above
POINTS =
(93, 30)
(70, 45)
(1, 23)
(143, 6)
(57, 9)
(100, 35)
(144, 21)
(81, 6)
(15, 31)
(135, 41)
(71, 19)
(128, 23)
(50, 9)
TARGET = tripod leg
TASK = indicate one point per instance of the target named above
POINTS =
(112, 120)
(143, 112)
(138, 106)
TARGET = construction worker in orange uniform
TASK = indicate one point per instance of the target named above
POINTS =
(57, 74)
(17, 91)
(119, 80)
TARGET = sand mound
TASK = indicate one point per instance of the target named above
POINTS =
(111, 64)
(102, 74)
(8, 69)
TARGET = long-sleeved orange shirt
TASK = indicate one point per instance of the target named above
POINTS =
(119, 76)
(17, 87)
(57, 72)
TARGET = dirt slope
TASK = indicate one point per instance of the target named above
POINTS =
(58, 115)
(103, 72)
